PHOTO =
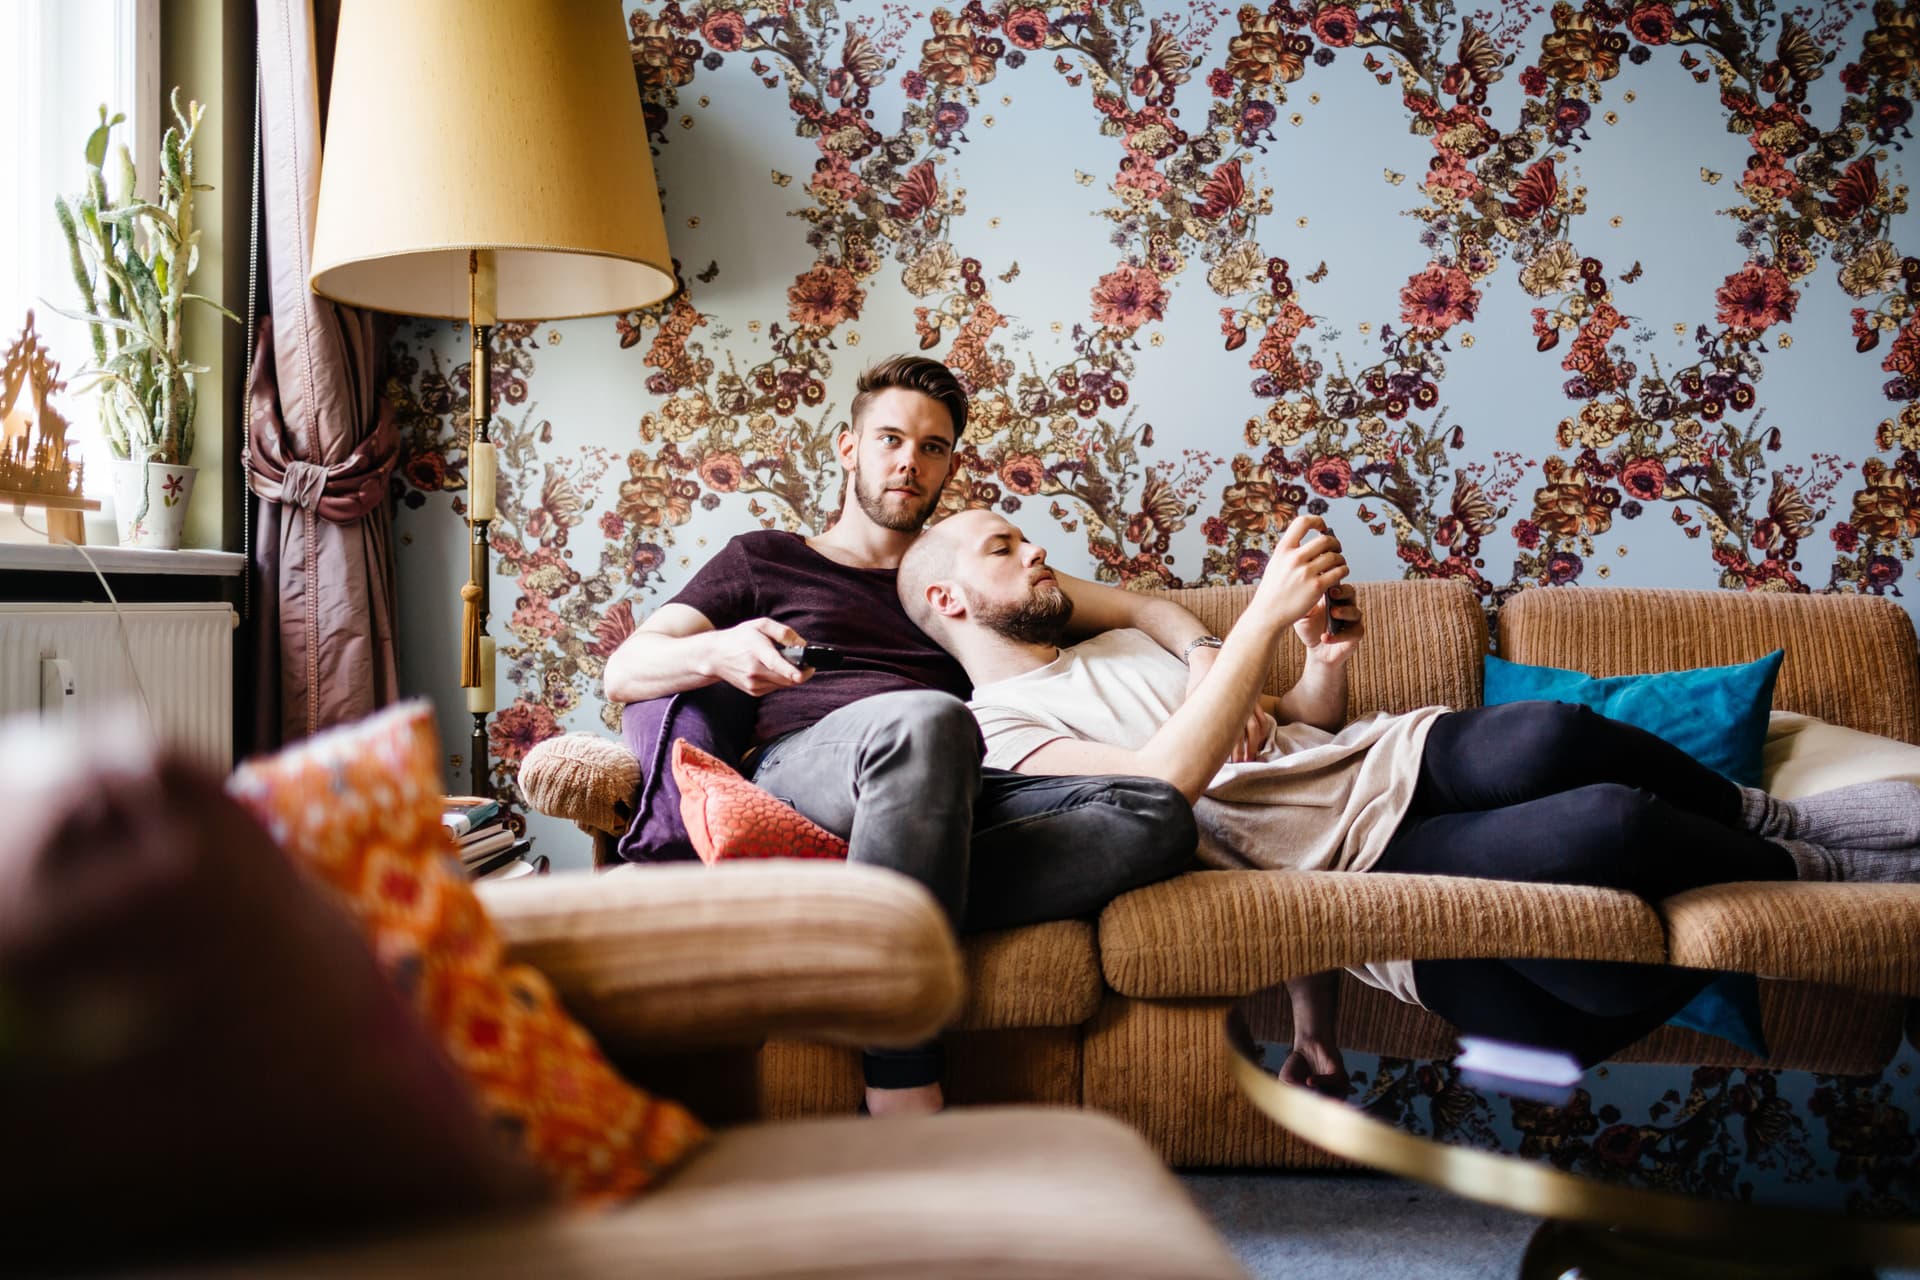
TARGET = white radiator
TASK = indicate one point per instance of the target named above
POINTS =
(69, 661)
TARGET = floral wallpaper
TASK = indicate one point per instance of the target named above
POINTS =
(1518, 294)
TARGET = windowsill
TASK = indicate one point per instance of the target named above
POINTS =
(44, 557)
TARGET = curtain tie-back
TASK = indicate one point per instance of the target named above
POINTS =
(303, 485)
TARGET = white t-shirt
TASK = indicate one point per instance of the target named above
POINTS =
(1313, 801)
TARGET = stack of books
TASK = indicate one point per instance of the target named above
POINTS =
(488, 847)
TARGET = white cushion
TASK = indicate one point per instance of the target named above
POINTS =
(1804, 755)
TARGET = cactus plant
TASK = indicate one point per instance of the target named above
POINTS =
(132, 260)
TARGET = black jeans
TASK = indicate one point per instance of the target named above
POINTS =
(899, 776)
(1553, 793)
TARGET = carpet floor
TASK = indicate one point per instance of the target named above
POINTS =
(1364, 1227)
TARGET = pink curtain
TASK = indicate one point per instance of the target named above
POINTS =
(321, 441)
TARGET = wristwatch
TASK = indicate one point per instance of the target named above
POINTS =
(1199, 642)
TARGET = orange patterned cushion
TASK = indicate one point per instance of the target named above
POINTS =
(728, 817)
(359, 808)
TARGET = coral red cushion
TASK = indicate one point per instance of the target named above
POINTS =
(728, 817)
(359, 807)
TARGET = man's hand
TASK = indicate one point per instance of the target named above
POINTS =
(748, 657)
(1317, 1065)
(1334, 649)
(1301, 570)
(1253, 738)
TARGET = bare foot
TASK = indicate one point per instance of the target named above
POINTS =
(922, 1101)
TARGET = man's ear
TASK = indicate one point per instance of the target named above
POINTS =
(846, 446)
(947, 600)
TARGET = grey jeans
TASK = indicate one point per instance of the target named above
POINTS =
(898, 776)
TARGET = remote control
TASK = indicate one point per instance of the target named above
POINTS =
(818, 656)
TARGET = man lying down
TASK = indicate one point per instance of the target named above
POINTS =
(1533, 791)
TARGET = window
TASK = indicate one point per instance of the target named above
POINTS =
(62, 60)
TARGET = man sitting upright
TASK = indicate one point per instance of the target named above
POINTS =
(1536, 791)
(880, 750)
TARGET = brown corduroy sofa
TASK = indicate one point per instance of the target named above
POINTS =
(1124, 1013)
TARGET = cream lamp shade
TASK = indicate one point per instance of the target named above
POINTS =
(506, 125)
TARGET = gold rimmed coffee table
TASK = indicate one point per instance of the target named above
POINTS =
(1641, 1169)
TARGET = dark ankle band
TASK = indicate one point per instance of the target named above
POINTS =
(903, 1068)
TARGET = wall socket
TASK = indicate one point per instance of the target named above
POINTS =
(58, 691)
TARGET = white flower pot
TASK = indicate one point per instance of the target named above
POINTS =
(150, 503)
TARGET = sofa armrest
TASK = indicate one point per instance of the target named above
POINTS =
(686, 957)
(587, 779)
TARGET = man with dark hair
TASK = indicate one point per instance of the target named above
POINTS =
(881, 749)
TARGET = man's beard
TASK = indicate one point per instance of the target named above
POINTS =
(1039, 619)
(903, 518)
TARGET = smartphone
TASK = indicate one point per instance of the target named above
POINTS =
(1336, 625)
(818, 656)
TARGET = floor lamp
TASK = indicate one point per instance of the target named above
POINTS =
(487, 160)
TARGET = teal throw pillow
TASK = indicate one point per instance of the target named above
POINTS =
(1727, 1007)
(1717, 715)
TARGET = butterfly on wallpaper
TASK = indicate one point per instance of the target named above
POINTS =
(1084, 179)
(1709, 177)
(1688, 61)
(1632, 273)
(1394, 179)
(1318, 274)
(1011, 274)
(1061, 65)
(781, 179)
(707, 276)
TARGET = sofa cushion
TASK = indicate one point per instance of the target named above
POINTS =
(727, 817)
(1804, 755)
(195, 1042)
(1043, 975)
(1851, 660)
(1718, 715)
(687, 956)
(1230, 933)
(1424, 643)
(359, 808)
(1025, 1193)
(1859, 935)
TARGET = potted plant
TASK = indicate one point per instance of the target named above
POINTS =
(132, 260)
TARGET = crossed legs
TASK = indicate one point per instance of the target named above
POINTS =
(898, 776)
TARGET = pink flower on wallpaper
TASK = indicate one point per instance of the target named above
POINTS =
(1766, 173)
(1330, 476)
(721, 472)
(1644, 479)
(1128, 297)
(1023, 474)
(824, 297)
(536, 618)
(519, 729)
(1438, 298)
(1755, 298)
(1137, 171)
(1652, 23)
(725, 30)
(1027, 28)
(1336, 25)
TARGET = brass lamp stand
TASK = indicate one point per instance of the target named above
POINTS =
(476, 646)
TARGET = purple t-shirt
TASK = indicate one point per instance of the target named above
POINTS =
(771, 574)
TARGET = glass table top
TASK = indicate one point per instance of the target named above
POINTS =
(1704, 1140)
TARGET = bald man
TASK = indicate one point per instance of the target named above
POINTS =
(1534, 791)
